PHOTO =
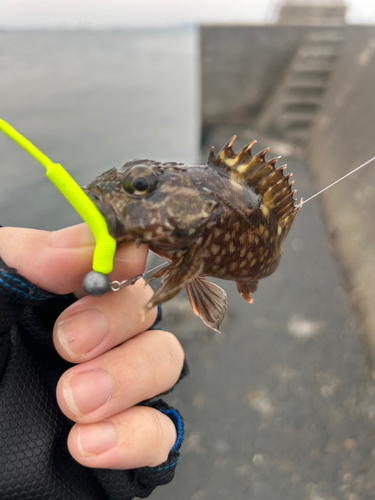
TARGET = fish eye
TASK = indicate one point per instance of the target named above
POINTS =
(140, 181)
(140, 184)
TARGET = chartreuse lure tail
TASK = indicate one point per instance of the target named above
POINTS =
(105, 245)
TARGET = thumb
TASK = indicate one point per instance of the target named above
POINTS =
(58, 261)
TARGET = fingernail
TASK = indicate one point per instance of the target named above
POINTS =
(81, 332)
(72, 237)
(87, 391)
(95, 438)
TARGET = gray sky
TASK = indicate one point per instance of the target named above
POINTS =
(106, 13)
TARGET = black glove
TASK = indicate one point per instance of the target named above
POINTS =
(34, 459)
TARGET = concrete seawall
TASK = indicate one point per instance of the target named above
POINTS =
(342, 139)
(242, 66)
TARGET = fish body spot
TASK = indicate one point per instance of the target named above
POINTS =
(242, 253)
(215, 249)
(232, 248)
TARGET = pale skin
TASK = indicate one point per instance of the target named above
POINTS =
(118, 362)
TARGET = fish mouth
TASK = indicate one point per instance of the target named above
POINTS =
(116, 228)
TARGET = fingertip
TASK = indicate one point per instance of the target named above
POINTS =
(129, 261)
(138, 437)
(58, 261)
(55, 269)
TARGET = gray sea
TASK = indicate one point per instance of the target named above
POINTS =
(91, 100)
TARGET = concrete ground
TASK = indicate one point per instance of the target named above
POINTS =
(280, 405)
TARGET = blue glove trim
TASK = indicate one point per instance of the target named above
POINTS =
(176, 419)
(31, 292)
(159, 317)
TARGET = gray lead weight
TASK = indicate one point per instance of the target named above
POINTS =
(96, 284)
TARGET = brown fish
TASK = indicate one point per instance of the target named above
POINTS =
(227, 219)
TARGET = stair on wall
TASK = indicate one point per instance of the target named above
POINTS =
(293, 108)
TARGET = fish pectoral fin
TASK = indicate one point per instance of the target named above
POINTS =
(177, 275)
(246, 288)
(208, 301)
(160, 253)
(159, 274)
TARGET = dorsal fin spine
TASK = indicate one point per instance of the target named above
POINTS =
(257, 173)
(284, 199)
(275, 171)
(211, 157)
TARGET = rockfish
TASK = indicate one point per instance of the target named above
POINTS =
(227, 219)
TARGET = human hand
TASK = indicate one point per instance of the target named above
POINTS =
(118, 362)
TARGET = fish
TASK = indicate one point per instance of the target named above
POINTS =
(227, 219)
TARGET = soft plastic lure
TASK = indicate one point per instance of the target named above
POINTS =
(97, 281)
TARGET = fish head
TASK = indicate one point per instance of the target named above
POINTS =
(151, 202)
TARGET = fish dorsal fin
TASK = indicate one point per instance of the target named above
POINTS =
(227, 158)
(261, 175)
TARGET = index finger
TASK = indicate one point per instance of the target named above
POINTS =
(58, 261)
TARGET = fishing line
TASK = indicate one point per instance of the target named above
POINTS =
(336, 182)
(157, 267)
(134, 262)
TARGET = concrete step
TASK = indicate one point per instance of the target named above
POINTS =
(317, 50)
(306, 85)
(298, 99)
(306, 94)
(301, 107)
(295, 116)
(312, 76)
(313, 64)
(330, 36)
(297, 135)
